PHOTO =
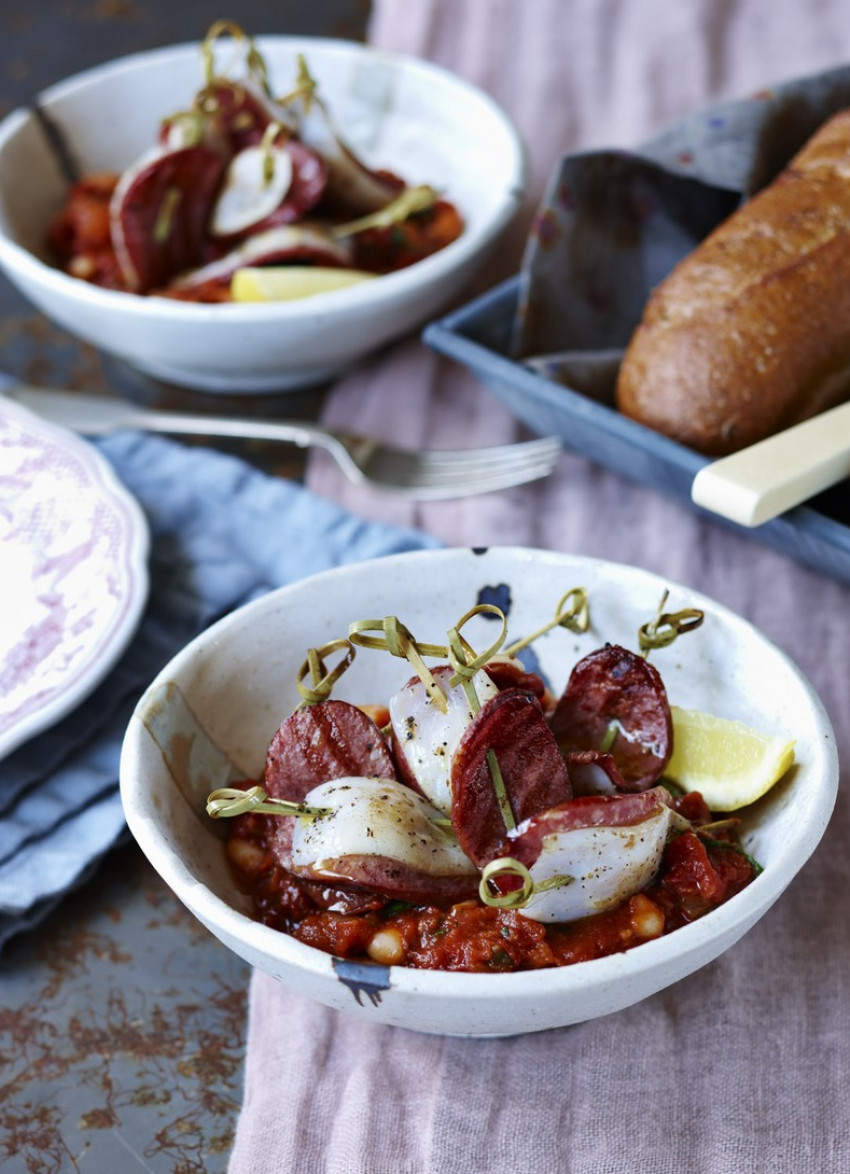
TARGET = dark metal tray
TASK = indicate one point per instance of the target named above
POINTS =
(477, 335)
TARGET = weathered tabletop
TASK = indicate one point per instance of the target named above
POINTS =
(122, 1021)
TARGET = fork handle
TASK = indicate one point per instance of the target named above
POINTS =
(94, 415)
(303, 435)
(762, 481)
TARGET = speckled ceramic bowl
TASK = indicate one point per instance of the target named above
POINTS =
(209, 716)
(399, 112)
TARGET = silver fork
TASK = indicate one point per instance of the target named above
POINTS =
(425, 475)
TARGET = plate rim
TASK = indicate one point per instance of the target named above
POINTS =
(136, 532)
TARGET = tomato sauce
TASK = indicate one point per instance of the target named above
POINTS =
(697, 874)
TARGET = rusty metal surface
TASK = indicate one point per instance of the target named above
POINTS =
(122, 1028)
(122, 1021)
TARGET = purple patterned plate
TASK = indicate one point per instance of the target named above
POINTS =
(73, 572)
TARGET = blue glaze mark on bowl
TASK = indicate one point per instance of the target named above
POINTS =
(500, 595)
(363, 978)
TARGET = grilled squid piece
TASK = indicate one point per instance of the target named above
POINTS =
(352, 186)
(265, 186)
(285, 244)
(592, 853)
(379, 835)
(425, 739)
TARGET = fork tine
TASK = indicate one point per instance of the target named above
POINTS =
(463, 480)
(470, 488)
(455, 490)
(439, 473)
(523, 470)
(518, 458)
(502, 456)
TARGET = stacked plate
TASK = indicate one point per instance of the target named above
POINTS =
(73, 586)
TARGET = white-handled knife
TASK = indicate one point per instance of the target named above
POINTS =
(760, 482)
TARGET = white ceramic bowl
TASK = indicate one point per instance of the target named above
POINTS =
(210, 714)
(413, 117)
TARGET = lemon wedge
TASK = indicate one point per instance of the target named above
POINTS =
(730, 763)
(284, 283)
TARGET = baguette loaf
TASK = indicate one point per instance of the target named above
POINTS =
(751, 332)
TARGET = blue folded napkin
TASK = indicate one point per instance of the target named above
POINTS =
(222, 533)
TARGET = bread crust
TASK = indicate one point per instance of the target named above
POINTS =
(751, 332)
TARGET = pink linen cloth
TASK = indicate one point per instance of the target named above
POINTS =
(745, 1066)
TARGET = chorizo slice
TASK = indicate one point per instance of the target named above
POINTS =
(374, 880)
(593, 772)
(613, 690)
(510, 674)
(328, 740)
(158, 213)
(513, 725)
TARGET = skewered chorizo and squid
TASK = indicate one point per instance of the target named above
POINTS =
(478, 822)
